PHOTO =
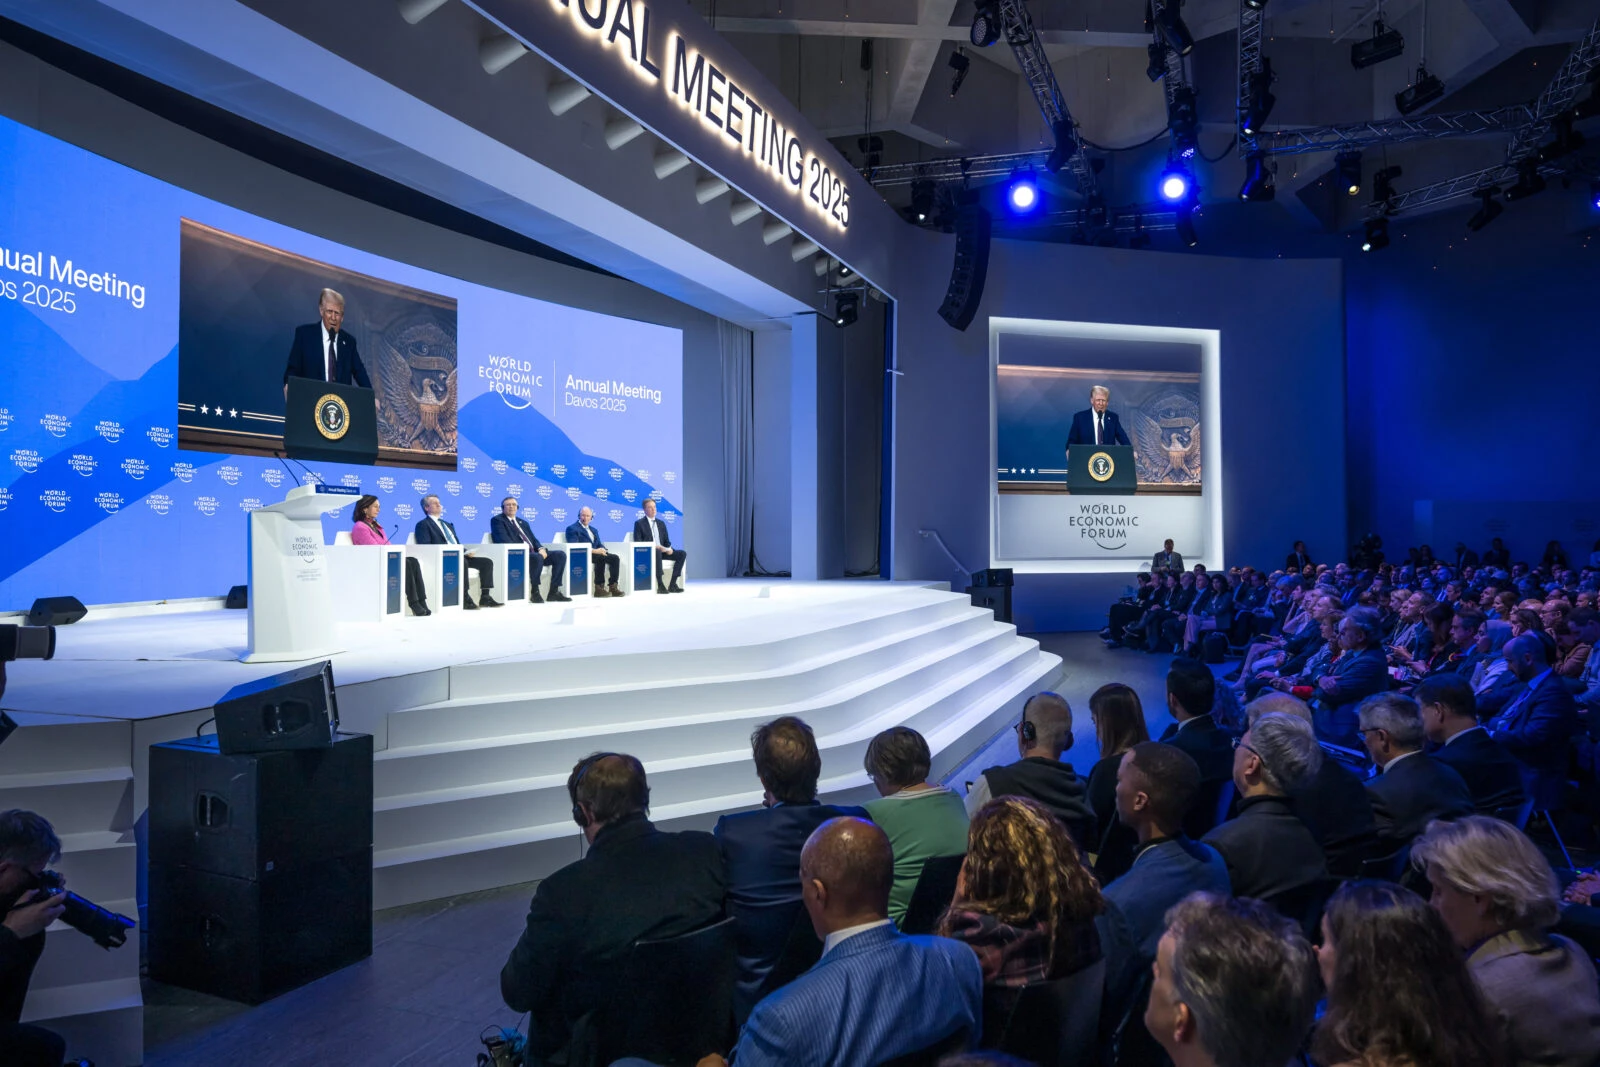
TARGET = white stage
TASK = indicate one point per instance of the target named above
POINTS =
(478, 717)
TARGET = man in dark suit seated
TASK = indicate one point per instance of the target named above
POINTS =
(762, 849)
(1191, 694)
(1450, 719)
(1538, 726)
(507, 529)
(1097, 425)
(432, 529)
(1267, 849)
(605, 564)
(1360, 672)
(1156, 786)
(650, 528)
(1412, 788)
(322, 351)
(1043, 733)
(1332, 802)
(636, 883)
(877, 994)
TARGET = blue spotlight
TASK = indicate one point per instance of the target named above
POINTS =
(1022, 192)
(1176, 184)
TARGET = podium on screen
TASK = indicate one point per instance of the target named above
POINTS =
(1103, 469)
(329, 421)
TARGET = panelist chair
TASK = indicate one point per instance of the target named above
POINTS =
(432, 560)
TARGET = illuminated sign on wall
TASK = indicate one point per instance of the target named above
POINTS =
(671, 55)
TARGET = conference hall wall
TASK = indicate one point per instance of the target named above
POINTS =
(109, 491)
(1280, 388)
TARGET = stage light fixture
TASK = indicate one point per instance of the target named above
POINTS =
(1383, 44)
(1066, 146)
(958, 63)
(1377, 235)
(1183, 120)
(1022, 192)
(921, 199)
(1172, 29)
(1566, 140)
(846, 309)
(986, 23)
(1256, 5)
(1382, 187)
(1184, 224)
(1594, 195)
(1258, 186)
(1348, 166)
(1529, 181)
(1425, 90)
(1176, 184)
(1490, 210)
(1261, 101)
(1156, 69)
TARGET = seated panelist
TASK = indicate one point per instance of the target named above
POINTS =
(507, 529)
(366, 531)
(650, 528)
(603, 561)
(433, 530)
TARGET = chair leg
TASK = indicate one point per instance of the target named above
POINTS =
(1550, 821)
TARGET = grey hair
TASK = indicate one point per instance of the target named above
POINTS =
(1093, 389)
(1287, 747)
(1275, 703)
(1486, 857)
(1396, 715)
(430, 496)
(1369, 622)
(1247, 975)
(330, 294)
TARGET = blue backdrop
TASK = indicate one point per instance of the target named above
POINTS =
(559, 407)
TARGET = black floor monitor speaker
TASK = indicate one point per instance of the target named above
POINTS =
(238, 598)
(971, 267)
(997, 598)
(295, 709)
(56, 611)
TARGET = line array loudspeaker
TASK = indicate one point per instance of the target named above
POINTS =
(971, 267)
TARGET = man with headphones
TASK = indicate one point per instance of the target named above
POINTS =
(636, 883)
(1043, 733)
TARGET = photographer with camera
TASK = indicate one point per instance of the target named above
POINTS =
(27, 846)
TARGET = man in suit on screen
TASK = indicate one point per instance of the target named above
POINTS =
(1098, 425)
(650, 528)
(324, 352)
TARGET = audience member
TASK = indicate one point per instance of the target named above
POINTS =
(1044, 732)
(1128, 610)
(1191, 693)
(761, 849)
(1398, 991)
(877, 993)
(1172, 629)
(1118, 717)
(1411, 788)
(1216, 614)
(1156, 784)
(635, 883)
(1539, 724)
(1582, 628)
(1359, 673)
(1493, 684)
(921, 820)
(1332, 802)
(1024, 902)
(1268, 850)
(1235, 985)
(1450, 719)
(1498, 898)
(28, 844)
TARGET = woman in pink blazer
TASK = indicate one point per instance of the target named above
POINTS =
(367, 531)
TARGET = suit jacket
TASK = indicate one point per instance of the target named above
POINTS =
(1163, 873)
(1542, 987)
(636, 883)
(1296, 562)
(641, 531)
(1334, 806)
(308, 358)
(1212, 749)
(363, 534)
(18, 957)
(761, 852)
(1165, 562)
(503, 531)
(428, 534)
(876, 996)
(1492, 775)
(586, 535)
(1082, 432)
(1412, 793)
(1537, 726)
(1268, 851)
(1356, 677)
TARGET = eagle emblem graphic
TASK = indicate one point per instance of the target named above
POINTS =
(417, 384)
(1166, 432)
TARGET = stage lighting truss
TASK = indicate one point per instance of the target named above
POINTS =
(1028, 50)
(1255, 80)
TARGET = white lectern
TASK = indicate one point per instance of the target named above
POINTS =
(291, 598)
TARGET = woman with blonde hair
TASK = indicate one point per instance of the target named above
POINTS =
(1024, 900)
(1498, 897)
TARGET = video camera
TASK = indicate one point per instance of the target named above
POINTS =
(106, 928)
(27, 642)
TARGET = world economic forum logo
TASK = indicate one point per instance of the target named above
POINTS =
(573, 492)
(5, 419)
(559, 470)
(530, 469)
(272, 476)
(55, 499)
(484, 488)
(545, 492)
(670, 476)
(405, 511)
(25, 459)
(616, 474)
(160, 436)
(5, 498)
(110, 503)
(615, 514)
(514, 490)
(602, 493)
(250, 503)
(184, 472)
(453, 487)
(420, 485)
(469, 511)
(135, 468)
(160, 503)
(469, 463)
(630, 495)
(206, 505)
(387, 483)
(559, 514)
(499, 466)
(109, 430)
(83, 464)
(56, 425)
(530, 513)
(229, 474)
(587, 472)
